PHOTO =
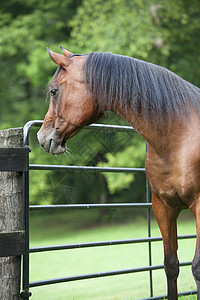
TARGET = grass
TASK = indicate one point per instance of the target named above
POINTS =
(58, 228)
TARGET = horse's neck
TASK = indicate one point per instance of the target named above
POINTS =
(162, 140)
(165, 140)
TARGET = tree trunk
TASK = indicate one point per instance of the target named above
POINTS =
(11, 193)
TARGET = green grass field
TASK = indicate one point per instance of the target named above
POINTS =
(56, 228)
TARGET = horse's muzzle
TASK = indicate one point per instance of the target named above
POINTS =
(50, 141)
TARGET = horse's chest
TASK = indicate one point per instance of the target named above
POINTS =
(173, 184)
(164, 188)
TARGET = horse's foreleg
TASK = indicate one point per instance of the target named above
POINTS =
(196, 260)
(166, 218)
(196, 268)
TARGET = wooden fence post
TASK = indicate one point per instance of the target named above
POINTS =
(11, 205)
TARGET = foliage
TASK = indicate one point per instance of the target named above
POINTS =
(27, 27)
(164, 32)
(131, 156)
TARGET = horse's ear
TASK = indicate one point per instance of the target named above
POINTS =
(65, 51)
(58, 59)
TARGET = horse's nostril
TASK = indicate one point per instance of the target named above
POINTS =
(63, 143)
(50, 143)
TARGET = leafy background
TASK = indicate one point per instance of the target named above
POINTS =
(164, 32)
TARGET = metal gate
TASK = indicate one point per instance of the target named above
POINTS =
(26, 285)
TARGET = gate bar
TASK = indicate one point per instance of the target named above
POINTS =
(38, 123)
(165, 296)
(96, 275)
(109, 205)
(84, 168)
(104, 243)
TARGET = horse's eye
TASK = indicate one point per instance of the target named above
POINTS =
(53, 92)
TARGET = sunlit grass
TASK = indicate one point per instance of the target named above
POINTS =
(56, 229)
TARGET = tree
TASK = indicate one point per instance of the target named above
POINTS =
(163, 32)
(27, 28)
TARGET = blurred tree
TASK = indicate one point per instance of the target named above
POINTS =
(164, 32)
(27, 27)
(132, 156)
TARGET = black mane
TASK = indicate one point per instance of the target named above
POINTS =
(149, 90)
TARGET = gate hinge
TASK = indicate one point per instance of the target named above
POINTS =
(25, 295)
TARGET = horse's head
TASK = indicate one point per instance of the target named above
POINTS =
(71, 104)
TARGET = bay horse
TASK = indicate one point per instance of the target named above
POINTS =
(161, 106)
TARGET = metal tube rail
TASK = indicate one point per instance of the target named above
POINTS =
(104, 243)
(85, 168)
(121, 128)
(100, 274)
(165, 296)
(38, 123)
(108, 205)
